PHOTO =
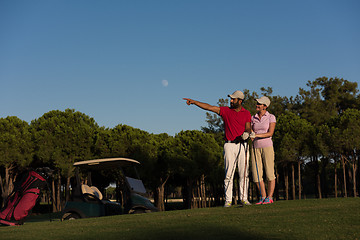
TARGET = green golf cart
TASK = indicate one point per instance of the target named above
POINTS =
(88, 201)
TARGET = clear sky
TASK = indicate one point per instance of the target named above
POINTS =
(132, 61)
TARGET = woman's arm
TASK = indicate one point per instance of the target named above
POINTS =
(269, 133)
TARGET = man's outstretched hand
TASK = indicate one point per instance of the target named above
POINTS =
(189, 101)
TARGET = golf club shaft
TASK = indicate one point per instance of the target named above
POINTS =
(245, 172)
(257, 171)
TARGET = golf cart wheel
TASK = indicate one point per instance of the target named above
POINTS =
(70, 216)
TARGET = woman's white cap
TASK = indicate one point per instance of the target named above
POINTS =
(264, 100)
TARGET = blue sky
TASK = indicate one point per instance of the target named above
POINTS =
(132, 62)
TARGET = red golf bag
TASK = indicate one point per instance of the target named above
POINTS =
(22, 200)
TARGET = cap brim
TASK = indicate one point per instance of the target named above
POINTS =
(261, 102)
(232, 96)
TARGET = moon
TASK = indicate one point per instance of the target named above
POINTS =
(165, 83)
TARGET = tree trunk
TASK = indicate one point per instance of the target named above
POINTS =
(68, 183)
(58, 193)
(335, 179)
(194, 201)
(293, 180)
(53, 195)
(354, 177)
(7, 184)
(286, 178)
(199, 198)
(67, 189)
(159, 203)
(299, 175)
(318, 178)
(202, 191)
(350, 175)
(344, 175)
(188, 193)
(318, 185)
(277, 186)
(160, 195)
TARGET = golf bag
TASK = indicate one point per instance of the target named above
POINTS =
(22, 200)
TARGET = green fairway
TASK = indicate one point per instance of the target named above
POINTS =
(299, 219)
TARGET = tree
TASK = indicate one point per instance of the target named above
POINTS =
(338, 94)
(350, 129)
(200, 155)
(125, 141)
(15, 150)
(62, 138)
(101, 147)
(326, 98)
(160, 165)
(291, 139)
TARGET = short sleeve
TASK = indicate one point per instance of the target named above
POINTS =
(222, 111)
(248, 117)
(272, 118)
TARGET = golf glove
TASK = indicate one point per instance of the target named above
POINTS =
(245, 136)
(252, 135)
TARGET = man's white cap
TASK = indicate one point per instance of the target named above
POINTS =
(237, 94)
(264, 100)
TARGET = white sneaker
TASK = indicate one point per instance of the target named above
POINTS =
(227, 204)
(246, 202)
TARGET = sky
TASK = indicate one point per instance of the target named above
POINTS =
(133, 61)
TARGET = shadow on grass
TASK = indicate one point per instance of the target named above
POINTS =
(208, 232)
(45, 217)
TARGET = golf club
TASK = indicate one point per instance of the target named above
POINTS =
(245, 169)
(257, 171)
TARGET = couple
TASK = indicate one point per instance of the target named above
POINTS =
(239, 126)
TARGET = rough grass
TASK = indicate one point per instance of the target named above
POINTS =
(299, 219)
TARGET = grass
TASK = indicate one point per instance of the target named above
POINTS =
(298, 219)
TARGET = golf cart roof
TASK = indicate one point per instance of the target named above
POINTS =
(106, 163)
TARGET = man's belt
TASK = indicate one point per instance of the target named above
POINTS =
(237, 140)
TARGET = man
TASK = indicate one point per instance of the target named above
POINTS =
(237, 128)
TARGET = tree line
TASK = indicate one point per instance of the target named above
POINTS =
(316, 144)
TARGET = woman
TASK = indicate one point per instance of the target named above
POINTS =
(263, 126)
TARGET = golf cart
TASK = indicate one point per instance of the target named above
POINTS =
(88, 201)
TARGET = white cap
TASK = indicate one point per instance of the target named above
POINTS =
(264, 100)
(237, 94)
